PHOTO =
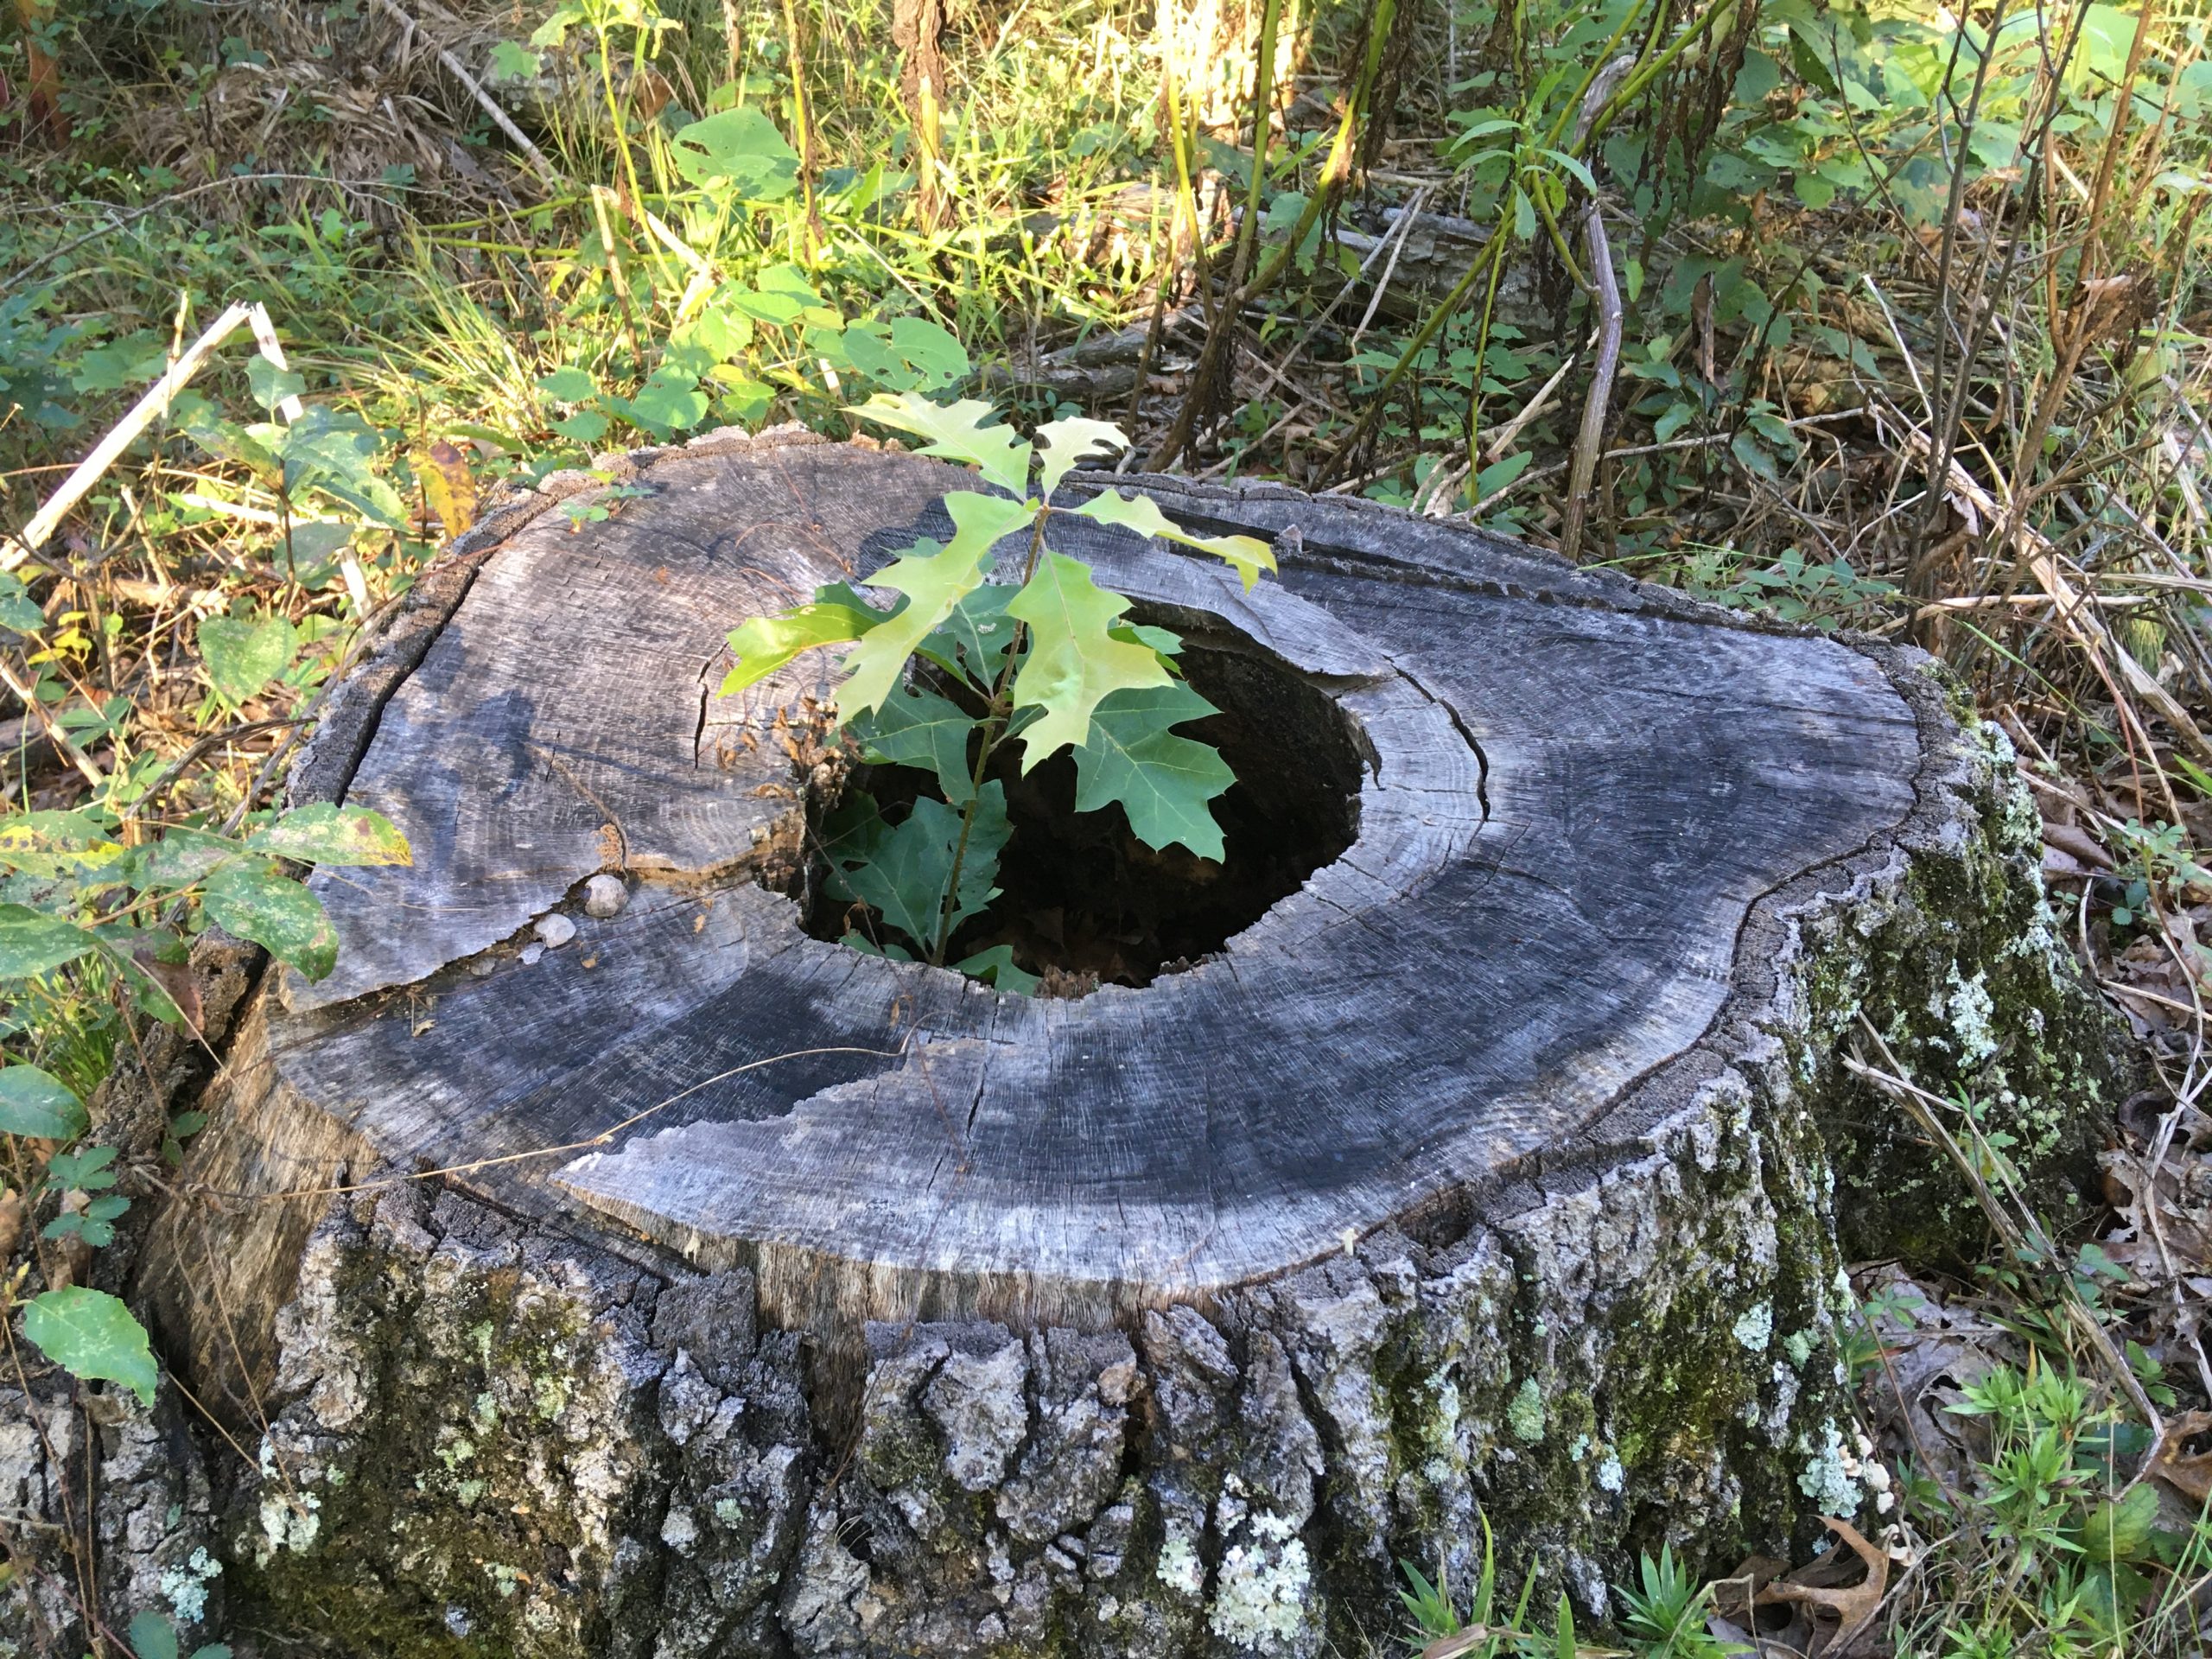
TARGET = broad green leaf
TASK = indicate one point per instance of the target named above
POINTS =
(903, 870)
(1162, 781)
(919, 728)
(50, 844)
(956, 432)
(269, 384)
(324, 834)
(34, 943)
(672, 402)
(39, 1103)
(152, 1637)
(585, 426)
(511, 63)
(1062, 443)
(1499, 474)
(1074, 659)
(997, 966)
(739, 151)
(1162, 641)
(91, 1335)
(182, 857)
(2115, 1531)
(1247, 554)
(19, 612)
(558, 22)
(568, 385)
(335, 451)
(975, 637)
(935, 580)
(767, 643)
(250, 901)
(243, 656)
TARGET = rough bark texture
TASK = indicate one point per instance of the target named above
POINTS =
(544, 1407)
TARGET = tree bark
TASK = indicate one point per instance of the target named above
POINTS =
(699, 1288)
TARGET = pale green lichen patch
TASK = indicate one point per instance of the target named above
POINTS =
(185, 1587)
(1180, 1568)
(1825, 1480)
(1754, 1327)
(1260, 1600)
(1525, 1416)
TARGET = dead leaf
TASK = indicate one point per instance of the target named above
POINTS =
(1852, 1607)
(2188, 1472)
(2077, 844)
(176, 981)
(449, 487)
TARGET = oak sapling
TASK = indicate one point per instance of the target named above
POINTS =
(1051, 662)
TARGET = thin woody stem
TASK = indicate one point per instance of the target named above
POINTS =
(996, 718)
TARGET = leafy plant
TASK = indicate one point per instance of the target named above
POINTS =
(1666, 1609)
(91, 1335)
(69, 890)
(1050, 662)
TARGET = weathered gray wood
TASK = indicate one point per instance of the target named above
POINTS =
(1491, 1172)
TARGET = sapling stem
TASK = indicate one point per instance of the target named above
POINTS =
(996, 718)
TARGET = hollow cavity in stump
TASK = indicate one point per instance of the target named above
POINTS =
(1083, 902)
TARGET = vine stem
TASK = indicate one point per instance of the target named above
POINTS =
(995, 721)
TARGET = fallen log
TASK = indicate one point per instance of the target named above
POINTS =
(600, 1262)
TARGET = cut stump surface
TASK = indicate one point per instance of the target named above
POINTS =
(1493, 1171)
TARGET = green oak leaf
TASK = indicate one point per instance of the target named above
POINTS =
(1162, 781)
(919, 728)
(250, 901)
(1247, 554)
(90, 1334)
(975, 637)
(761, 646)
(36, 1103)
(936, 580)
(324, 834)
(956, 432)
(997, 965)
(1074, 659)
(1062, 443)
(34, 943)
(903, 869)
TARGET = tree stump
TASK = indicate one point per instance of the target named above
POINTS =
(698, 1286)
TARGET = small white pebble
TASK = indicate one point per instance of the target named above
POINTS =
(532, 952)
(555, 929)
(605, 895)
(483, 967)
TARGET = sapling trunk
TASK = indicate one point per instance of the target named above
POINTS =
(995, 719)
